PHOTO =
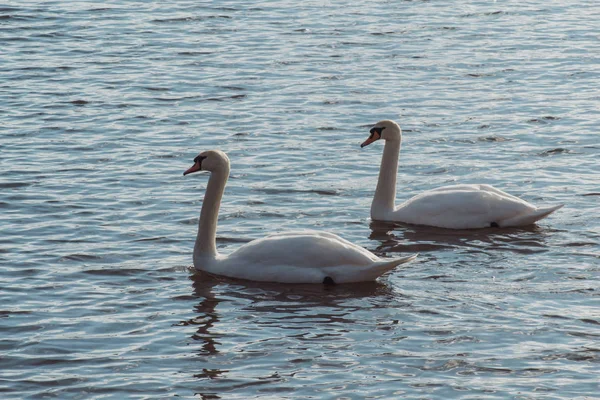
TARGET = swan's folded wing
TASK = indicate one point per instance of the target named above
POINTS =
(461, 205)
(303, 250)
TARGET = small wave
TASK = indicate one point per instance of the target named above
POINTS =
(224, 239)
(232, 87)
(432, 312)
(590, 321)
(157, 89)
(493, 138)
(556, 316)
(152, 239)
(481, 75)
(8, 313)
(503, 371)
(437, 171)
(194, 53)
(114, 271)
(80, 257)
(15, 17)
(259, 215)
(415, 248)
(383, 33)
(234, 97)
(79, 102)
(188, 19)
(167, 99)
(543, 120)
(572, 356)
(172, 20)
(580, 244)
(553, 152)
(13, 185)
(322, 192)
(435, 277)
(458, 339)
(485, 14)
(167, 156)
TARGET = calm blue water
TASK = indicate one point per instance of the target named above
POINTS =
(104, 105)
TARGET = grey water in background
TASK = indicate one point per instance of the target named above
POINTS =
(103, 105)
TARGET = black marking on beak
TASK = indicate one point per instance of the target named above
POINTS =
(196, 167)
(375, 135)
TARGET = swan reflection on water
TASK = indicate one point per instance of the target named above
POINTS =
(283, 297)
(400, 237)
(237, 319)
(282, 301)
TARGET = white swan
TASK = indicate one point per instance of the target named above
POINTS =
(455, 207)
(298, 257)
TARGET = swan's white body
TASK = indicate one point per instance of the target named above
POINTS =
(455, 207)
(296, 257)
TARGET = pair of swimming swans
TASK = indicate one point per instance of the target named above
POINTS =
(321, 257)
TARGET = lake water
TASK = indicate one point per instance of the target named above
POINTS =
(103, 106)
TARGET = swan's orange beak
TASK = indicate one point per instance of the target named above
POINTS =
(370, 140)
(193, 168)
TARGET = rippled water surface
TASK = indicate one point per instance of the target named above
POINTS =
(104, 105)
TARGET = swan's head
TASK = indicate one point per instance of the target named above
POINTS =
(386, 130)
(211, 160)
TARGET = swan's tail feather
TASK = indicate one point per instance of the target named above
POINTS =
(531, 218)
(375, 270)
(388, 265)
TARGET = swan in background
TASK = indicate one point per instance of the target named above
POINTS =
(296, 257)
(454, 207)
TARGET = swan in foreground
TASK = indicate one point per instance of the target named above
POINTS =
(297, 257)
(455, 206)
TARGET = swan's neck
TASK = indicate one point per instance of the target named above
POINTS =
(206, 243)
(385, 194)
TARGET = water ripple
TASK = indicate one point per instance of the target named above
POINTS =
(104, 106)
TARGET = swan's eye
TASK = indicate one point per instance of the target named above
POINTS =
(199, 159)
(377, 130)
